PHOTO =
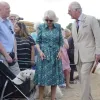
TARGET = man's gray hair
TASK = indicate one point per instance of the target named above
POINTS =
(14, 15)
(50, 15)
(2, 3)
(76, 6)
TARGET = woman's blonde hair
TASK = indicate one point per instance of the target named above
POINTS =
(67, 33)
(51, 15)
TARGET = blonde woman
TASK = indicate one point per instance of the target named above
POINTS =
(49, 68)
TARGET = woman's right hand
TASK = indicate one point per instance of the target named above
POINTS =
(42, 55)
(9, 59)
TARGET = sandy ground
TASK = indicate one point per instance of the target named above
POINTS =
(74, 93)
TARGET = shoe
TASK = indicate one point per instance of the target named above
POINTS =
(73, 82)
(62, 85)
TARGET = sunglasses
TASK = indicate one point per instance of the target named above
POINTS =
(13, 19)
(11, 30)
(48, 20)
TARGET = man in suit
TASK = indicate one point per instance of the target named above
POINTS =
(86, 36)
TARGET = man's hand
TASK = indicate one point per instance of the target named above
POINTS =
(97, 58)
(9, 59)
(42, 55)
(15, 59)
(59, 55)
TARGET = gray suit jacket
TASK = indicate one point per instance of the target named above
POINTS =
(87, 40)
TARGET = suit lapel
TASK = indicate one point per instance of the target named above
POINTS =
(81, 24)
(74, 30)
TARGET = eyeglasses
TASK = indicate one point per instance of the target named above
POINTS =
(13, 19)
(48, 20)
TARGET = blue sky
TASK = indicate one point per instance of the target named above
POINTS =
(33, 10)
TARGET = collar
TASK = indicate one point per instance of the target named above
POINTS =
(80, 17)
(46, 26)
(2, 20)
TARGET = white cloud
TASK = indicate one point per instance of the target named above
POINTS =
(33, 10)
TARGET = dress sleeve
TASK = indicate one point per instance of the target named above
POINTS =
(61, 42)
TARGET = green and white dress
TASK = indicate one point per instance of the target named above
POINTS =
(49, 71)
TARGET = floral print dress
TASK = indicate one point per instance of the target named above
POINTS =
(49, 71)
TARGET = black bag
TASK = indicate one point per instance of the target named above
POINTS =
(12, 55)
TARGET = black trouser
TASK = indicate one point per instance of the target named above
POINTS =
(72, 72)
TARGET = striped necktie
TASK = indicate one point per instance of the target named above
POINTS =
(77, 25)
